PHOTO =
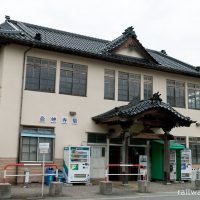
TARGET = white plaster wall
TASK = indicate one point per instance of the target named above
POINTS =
(130, 52)
(55, 104)
(12, 61)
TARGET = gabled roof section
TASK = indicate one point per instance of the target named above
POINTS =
(151, 108)
(128, 40)
(31, 35)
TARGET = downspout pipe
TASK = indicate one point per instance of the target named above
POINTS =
(21, 106)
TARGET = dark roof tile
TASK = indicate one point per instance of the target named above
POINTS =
(52, 39)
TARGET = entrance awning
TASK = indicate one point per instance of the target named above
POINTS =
(172, 144)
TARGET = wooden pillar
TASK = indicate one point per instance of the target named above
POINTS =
(166, 158)
(125, 156)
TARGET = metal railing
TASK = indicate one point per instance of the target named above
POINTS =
(144, 175)
(28, 164)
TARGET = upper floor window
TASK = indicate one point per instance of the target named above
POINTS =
(176, 93)
(40, 74)
(148, 87)
(129, 87)
(109, 84)
(30, 139)
(193, 96)
(73, 79)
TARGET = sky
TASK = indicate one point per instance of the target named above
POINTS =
(171, 25)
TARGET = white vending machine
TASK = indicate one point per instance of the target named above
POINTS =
(186, 164)
(76, 165)
(172, 165)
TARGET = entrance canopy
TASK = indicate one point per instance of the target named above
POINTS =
(151, 113)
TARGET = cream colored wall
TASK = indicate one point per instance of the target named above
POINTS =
(55, 104)
(12, 61)
(130, 52)
(1, 68)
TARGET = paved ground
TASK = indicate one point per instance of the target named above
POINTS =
(92, 191)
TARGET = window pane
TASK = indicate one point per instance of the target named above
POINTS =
(176, 93)
(29, 146)
(73, 79)
(29, 149)
(40, 74)
(109, 84)
(194, 145)
(123, 86)
(148, 87)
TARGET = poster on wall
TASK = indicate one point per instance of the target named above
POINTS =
(63, 120)
(42, 119)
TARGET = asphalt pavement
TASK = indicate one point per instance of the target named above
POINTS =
(182, 191)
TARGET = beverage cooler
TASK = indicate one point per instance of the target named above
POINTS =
(186, 164)
(173, 165)
(76, 165)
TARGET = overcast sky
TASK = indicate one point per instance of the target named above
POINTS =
(172, 25)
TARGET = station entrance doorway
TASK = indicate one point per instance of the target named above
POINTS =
(115, 157)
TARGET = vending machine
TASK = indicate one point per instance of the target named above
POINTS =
(186, 164)
(76, 165)
(143, 170)
(173, 175)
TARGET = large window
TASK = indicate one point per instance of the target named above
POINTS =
(109, 84)
(193, 96)
(176, 93)
(73, 79)
(40, 74)
(30, 139)
(129, 87)
(194, 145)
(148, 87)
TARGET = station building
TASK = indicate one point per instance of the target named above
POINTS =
(52, 84)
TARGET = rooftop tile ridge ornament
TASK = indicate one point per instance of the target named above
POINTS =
(129, 31)
(156, 97)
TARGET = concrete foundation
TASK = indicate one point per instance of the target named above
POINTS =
(143, 186)
(55, 189)
(5, 190)
(197, 184)
(105, 187)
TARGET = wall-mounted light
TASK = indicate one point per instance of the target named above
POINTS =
(72, 113)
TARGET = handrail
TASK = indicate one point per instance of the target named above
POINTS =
(29, 164)
(124, 165)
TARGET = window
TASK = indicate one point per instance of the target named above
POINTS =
(30, 139)
(193, 96)
(148, 87)
(109, 84)
(181, 140)
(40, 74)
(73, 79)
(96, 138)
(176, 93)
(129, 87)
(194, 145)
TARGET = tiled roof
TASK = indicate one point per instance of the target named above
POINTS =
(132, 110)
(46, 38)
